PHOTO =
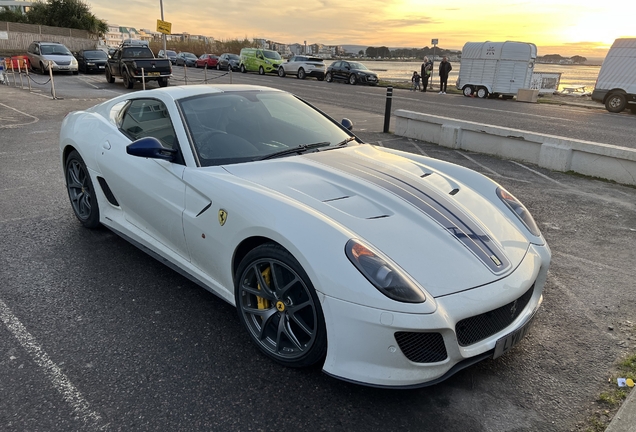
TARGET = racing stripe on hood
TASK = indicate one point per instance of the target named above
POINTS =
(429, 201)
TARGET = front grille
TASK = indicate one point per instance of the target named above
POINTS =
(422, 347)
(479, 327)
(63, 63)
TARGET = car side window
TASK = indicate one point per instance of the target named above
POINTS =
(148, 118)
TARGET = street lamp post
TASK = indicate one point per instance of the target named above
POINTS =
(163, 35)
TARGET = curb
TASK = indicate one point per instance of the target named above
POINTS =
(625, 419)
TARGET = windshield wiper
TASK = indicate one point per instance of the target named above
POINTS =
(295, 150)
(303, 148)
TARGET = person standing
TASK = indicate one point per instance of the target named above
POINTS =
(427, 69)
(415, 81)
(444, 69)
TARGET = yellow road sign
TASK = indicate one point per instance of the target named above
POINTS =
(164, 27)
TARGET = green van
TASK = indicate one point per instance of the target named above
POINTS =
(261, 60)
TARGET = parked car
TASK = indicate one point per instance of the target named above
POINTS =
(186, 59)
(136, 61)
(209, 60)
(384, 267)
(351, 72)
(92, 61)
(615, 86)
(303, 66)
(42, 54)
(259, 60)
(169, 54)
(228, 61)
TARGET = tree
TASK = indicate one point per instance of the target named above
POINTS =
(66, 13)
(578, 59)
(361, 52)
(11, 15)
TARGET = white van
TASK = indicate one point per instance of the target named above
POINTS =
(616, 83)
(496, 68)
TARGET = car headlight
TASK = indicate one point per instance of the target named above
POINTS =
(388, 279)
(268, 62)
(519, 209)
(73, 61)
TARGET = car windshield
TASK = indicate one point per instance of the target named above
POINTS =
(189, 55)
(272, 55)
(95, 55)
(171, 53)
(245, 126)
(54, 50)
(137, 53)
(356, 65)
(315, 59)
(233, 57)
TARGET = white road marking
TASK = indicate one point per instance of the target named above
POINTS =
(59, 380)
(35, 119)
(493, 172)
(86, 82)
(541, 175)
(419, 149)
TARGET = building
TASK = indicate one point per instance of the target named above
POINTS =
(17, 5)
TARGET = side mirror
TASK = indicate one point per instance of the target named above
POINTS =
(348, 124)
(150, 147)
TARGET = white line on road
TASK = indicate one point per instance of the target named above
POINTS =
(59, 380)
(540, 175)
(419, 149)
(35, 119)
(493, 172)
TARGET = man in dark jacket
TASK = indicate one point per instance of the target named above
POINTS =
(427, 68)
(444, 69)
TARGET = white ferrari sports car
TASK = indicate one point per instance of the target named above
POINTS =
(391, 269)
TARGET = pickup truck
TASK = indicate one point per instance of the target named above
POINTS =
(127, 62)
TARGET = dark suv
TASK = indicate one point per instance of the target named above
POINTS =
(41, 54)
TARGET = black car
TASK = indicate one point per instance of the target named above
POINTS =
(186, 59)
(227, 61)
(169, 54)
(91, 61)
(351, 72)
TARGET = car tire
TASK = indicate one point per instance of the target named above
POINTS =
(482, 93)
(286, 322)
(261, 71)
(243, 70)
(352, 79)
(109, 78)
(128, 82)
(281, 72)
(218, 67)
(42, 70)
(301, 73)
(80, 191)
(468, 91)
(328, 77)
(163, 82)
(616, 102)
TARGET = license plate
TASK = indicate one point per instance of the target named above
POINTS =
(153, 74)
(101, 67)
(506, 343)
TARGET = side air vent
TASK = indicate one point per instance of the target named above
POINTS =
(107, 192)
(422, 347)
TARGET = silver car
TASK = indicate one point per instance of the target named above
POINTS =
(303, 66)
(44, 54)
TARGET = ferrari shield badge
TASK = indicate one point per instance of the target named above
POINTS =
(222, 216)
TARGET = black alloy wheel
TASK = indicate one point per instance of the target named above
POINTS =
(278, 306)
(128, 82)
(109, 78)
(243, 70)
(81, 192)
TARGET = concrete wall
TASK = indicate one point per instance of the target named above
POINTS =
(548, 151)
(21, 36)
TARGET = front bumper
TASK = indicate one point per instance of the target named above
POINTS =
(362, 342)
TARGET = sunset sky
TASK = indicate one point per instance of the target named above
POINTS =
(566, 27)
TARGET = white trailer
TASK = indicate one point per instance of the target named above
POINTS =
(616, 83)
(493, 69)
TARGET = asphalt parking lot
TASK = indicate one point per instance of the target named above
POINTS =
(97, 335)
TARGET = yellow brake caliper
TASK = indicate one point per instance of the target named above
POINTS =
(263, 303)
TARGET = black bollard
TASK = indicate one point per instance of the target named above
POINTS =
(387, 109)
